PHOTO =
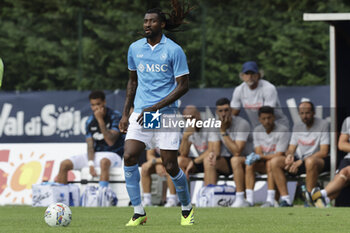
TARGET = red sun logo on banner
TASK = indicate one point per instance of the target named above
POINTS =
(24, 174)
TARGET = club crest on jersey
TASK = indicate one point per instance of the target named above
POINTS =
(163, 56)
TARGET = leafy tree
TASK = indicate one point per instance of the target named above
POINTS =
(83, 44)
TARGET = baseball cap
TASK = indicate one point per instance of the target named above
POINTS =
(250, 66)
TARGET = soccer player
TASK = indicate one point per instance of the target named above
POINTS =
(191, 161)
(323, 197)
(105, 143)
(233, 139)
(254, 93)
(158, 78)
(307, 153)
(270, 140)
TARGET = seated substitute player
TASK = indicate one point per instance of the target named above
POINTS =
(192, 161)
(233, 139)
(270, 140)
(105, 143)
(307, 153)
(154, 165)
(255, 92)
(158, 78)
(322, 198)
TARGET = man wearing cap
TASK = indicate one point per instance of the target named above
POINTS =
(254, 93)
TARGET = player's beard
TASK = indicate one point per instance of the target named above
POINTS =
(150, 34)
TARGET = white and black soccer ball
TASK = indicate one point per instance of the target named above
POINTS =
(58, 215)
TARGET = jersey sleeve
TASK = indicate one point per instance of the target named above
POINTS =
(283, 141)
(256, 137)
(131, 63)
(325, 134)
(294, 138)
(180, 66)
(87, 128)
(243, 131)
(115, 121)
(214, 137)
(236, 102)
(345, 126)
(270, 97)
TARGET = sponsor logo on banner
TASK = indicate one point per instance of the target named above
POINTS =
(22, 165)
(52, 120)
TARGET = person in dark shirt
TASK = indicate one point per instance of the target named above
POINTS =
(105, 143)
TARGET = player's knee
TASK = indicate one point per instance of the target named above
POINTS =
(170, 167)
(144, 169)
(236, 162)
(105, 164)
(345, 172)
(66, 165)
(310, 163)
(129, 160)
(276, 163)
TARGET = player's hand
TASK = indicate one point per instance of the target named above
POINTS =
(212, 159)
(188, 132)
(124, 124)
(92, 171)
(140, 117)
(225, 122)
(99, 113)
(189, 168)
(295, 166)
(288, 161)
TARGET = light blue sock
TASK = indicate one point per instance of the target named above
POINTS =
(132, 180)
(103, 183)
(181, 186)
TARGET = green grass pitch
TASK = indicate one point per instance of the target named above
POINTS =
(112, 219)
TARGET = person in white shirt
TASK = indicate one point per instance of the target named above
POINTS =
(322, 198)
(307, 152)
(270, 140)
(234, 143)
(255, 92)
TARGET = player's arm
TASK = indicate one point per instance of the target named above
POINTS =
(90, 149)
(323, 152)
(343, 143)
(214, 151)
(130, 96)
(235, 147)
(180, 89)
(109, 135)
(324, 143)
(185, 145)
(235, 102)
(91, 155)
(259, 151)
(290, 155)
(200, 158)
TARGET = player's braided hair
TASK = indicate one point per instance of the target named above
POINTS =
(175, 17)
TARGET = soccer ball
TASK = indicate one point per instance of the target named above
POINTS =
(58, 215)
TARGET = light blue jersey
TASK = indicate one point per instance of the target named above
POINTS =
(157, 69)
